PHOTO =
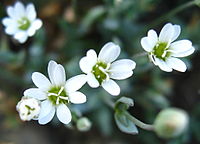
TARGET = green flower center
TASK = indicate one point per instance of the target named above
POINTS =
(99, 71)
(160, 51)
(29, 109)
(57, 95)
(23, 23)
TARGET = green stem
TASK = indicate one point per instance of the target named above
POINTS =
(139, 55)
(137, 122)
(140, 124)
(172, 13)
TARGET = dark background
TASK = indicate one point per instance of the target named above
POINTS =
(70, 28)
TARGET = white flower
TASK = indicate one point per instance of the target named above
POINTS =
(57, 93)
(163, 50)
(101, 70)
(22, 22)
(28, 108)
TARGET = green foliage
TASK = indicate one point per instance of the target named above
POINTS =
(70, 28)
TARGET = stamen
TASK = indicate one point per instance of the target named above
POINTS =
(50, 94)
(61, 89)
(64, 98)
(57, 100)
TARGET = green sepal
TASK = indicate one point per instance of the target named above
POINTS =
(123, 104)
(124, 123)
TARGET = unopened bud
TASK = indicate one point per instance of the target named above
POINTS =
(83, 124)
(28, 108)
(171, 122)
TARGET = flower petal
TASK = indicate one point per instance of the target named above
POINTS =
(21, 36)
(41, 81)
(36, 24)
(35, 93)
(163, 65)
(122, 65)
(51, 67)
(181, 48)
(63, 114)
(92, 81)
(11, 29)
(109, 52)
(46, 108)
(177, 31)
(11, 12)
(75, 83)
(111, 87)
(121, 75)
(19, 9)
(185, 53)
(176, 64)
(30, 11)
(149, 42)
(77, 97)
(8, 21)
(86, 63)
(47, 118)
(59, 75)
(167, 33)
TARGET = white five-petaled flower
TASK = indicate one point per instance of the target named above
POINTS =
(55, 95)
(28, 108)
(163, 51)
(101, 70)
(22, 22)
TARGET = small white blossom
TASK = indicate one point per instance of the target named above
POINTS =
(55, 95)
(28, 108)
(22, 22)
(163, 51)
(101, 70)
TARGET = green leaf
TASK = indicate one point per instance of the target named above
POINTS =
(125, 124)
(123, 103)
(91, 17)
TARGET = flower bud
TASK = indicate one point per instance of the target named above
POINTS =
(83, 124)
(28, 108)
(171, 122)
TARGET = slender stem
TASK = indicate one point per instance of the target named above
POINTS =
(140, 124)
(172, 13)
(139, 55)
(137, 122)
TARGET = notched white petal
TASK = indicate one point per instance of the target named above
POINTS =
(77, 98)
(167, 33)
(92, 81)
(109, 52)
(177, 64)
(177, 31)
(41, 81)
(63, 113)
(51, 67)
(35, 93)
(21, 36)
(123, 65)
(59, 75)
(46, 119)
(111, 87)
(75, 83)
(30, 11)
(163, 65)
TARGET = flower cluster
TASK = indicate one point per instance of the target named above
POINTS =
(22, 22)
(54, 95)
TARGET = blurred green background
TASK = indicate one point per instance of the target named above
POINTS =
(70, 28)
